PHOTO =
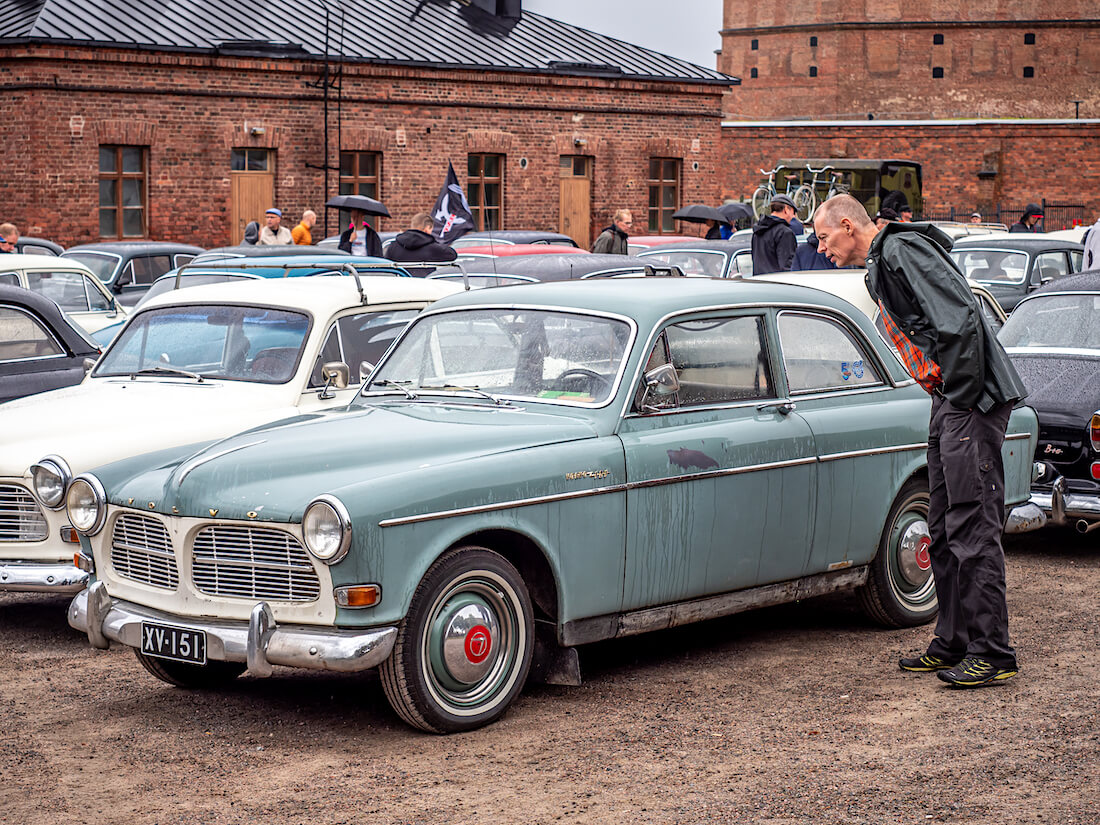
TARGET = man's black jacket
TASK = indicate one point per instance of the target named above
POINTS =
(414, 245)
(773, 245)
(908, 269)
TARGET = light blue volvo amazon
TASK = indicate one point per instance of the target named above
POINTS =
(528, 470)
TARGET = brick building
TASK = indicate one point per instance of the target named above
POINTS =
(186, 128)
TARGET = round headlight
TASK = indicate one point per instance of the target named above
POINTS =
(87, 504)
(326, 528)
(50, 478)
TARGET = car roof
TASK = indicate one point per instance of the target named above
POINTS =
(547, 267)
(509, 250)
(729, 245)
(1019, 241)
(648, 300)
(73, 338)
(1081, 282)
(322, 295)
(49, 263)
(520, 235)
(136, 247)
(282, 250)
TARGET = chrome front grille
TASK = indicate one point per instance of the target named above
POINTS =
(21, 519)
(253, 563)
(142, 550)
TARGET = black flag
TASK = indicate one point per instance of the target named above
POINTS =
(451, 216)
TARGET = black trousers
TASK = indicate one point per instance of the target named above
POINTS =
(965, 516)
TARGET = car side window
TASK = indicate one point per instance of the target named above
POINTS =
(22, 336)
(330, 351)
(9, 278)
(658, 356)
(819, 355)
(720, 360)
(1050, 265)
(35, 249)
(182, 258)
(66, 289)
(990, 313)
(742, 261)
(147, 268)
(1077, 260)
(366, 336)
(97, 301)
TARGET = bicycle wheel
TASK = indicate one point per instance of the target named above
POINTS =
(761, 200)
(805, 202)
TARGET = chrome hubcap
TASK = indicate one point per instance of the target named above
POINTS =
(469, 636)
(914, 561)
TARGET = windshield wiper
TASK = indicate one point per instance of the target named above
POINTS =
(474, 390)
(166, 371)
(397, 385)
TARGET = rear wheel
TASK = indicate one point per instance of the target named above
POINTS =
(761, 200)
(804, 202)
(464, 650)
(900, 590)
(186, 675)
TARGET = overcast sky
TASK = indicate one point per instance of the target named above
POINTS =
(687, 29)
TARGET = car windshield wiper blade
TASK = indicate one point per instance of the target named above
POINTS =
(166, 371)
(474, 390)
(397, 385)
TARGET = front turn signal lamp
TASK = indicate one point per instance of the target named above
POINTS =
(358, 595)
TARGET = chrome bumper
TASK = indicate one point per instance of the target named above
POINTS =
(1061, 506)
(260, 643)
(1023, 518)
(39, 577)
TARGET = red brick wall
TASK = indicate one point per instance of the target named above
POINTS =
(1032, 161)
(61, 103)
(878, 56)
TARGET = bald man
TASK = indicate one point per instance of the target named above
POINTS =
(302, 234)
(946, 344)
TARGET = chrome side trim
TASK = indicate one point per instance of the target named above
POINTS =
(195, 463)
(1018, 437)
(315, 648)
(902, 448)
(730, 471)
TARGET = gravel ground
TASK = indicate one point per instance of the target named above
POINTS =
(791, 715)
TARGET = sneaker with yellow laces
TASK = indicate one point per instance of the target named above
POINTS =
(976, 672)
(925, 663)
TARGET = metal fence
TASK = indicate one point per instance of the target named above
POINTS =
(1055, 215)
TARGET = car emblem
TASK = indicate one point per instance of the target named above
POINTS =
(252, 514)
(1050, 449)
(131, 501)
(478, 643)
(213, 512)
(152, 505)
(175, 509)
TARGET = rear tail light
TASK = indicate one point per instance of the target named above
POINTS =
(1094, 431)
(1095, 470)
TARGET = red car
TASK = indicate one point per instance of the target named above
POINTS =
(471, 253)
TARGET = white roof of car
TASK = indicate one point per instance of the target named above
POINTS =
(50, 263)
(321, 294)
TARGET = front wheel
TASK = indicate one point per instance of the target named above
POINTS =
(900, 590)
(464, 649)
(804, 203)
(761, 200)
(186, 675)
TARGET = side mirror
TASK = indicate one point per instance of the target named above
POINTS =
(336, 375)
(365, 369)
(661, 382)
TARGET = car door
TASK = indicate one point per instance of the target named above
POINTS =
(32, 358)
(720, 474)
(861, 424)
(1048, 266)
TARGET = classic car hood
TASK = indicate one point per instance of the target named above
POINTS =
(106, 419)
(1065, 388)
(272, 472)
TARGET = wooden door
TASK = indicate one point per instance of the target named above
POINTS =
(253, 194)
(575, 201)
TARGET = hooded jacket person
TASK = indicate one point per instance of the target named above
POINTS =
(418, 244)
(773, 240)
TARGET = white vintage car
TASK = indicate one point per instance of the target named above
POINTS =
(69, 284)
(190, 366)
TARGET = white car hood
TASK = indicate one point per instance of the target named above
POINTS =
(107, 419)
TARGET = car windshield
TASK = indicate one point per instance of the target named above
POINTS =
(542, 355)
(233, 342)
(101, 264)
(1069, 321)
(992, 266)
(693, 262)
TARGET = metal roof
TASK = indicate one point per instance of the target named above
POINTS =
(439, 33)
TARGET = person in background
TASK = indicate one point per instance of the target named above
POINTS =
(418, 244)
(251, 234)
(773, 241)
(301, 233)
(1091, 240)
(362, 241)
(884, 216)
(714, 233)
(613, 239)
(807, 257)
(905, 214)
(275, 233)
(8, 237)
(948, 347)
(1033, 213)
(975, 217)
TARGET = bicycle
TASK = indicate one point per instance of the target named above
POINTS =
(801, 195)
(835, 188)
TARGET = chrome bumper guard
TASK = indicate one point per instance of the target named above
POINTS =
(1023, 518)
(38, 577)
(1061, 506)
(260, 643)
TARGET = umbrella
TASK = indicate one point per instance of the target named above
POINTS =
(735, 211)
(699, 213)
(361, 202)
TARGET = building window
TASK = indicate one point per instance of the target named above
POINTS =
(937, 71)
(249, 160)
(1029, 39)
(664, 194)
(813, 71)
(360, 174)
(937, 40)
(813, 42)
(484, 189)
(754, 45)
(122, 192)
(753, 72)
(1029, 71)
